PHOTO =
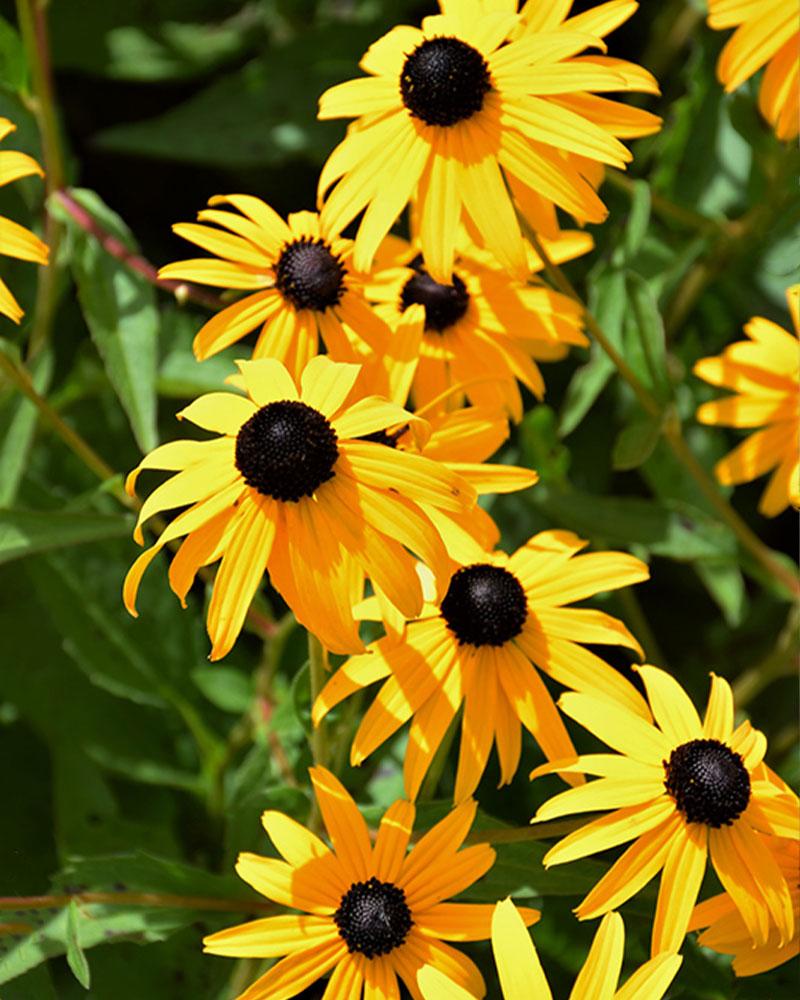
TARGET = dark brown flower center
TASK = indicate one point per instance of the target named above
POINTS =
(309, 276)
(373, 917)
(444, 304)
(708, 782)
(484, 605)
(444, 81)
(286, 450)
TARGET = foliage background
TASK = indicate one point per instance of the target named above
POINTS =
(132, 766)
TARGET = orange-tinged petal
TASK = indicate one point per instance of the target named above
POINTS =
(344, 823)
(391, 843)
(681, 878)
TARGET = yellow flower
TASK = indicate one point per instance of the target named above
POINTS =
(483, 328)
(372, 913)
(764, 372)
(727, 932)
(681, 790)
(451, 113)
(463, 439)
(522, 976)
(500, 619)
(288, 487)
(767, 34)
(302, 281)
(15, 240)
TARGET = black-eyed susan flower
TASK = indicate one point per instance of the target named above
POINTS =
(15, 240)
(767, 34)
(523, 978)
(682, 790)
(483, 328)
(289, 487)
(764, 374)
(372, 913)
(299, 275)
(453, 112)
(501, 621)
(726, 931)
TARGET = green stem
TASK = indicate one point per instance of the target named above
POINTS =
(672, 432)
(81, 448)
(663, 207)
(149, 899)
(318, 674)
(32, 17)
(780, 662)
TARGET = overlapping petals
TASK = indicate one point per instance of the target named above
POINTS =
(498, 330)
(767, 34)
(522, 976)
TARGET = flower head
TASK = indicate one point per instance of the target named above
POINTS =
(522, 976)
(15, 240)
(372, 912)
(477, 98)
(500, 619)
(483, 329)
(767, 34)
(682, 789)
(299, 276)
(764, 374)
(292, 487)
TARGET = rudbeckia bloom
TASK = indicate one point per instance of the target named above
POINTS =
(451, 113)
(764, 374)
(300, 277)
(500, 620)
(682, 790)
(288, 487)
(522, 976)
(726, 930)
(767, 34)
(483, 329)
(372, 913)
(15, 240)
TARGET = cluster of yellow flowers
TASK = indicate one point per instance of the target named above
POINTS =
(351, 477)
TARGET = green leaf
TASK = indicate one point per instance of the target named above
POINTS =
(541, 448)
(13, 65)
(635, 443)
(259, 116)
(20, 419)
(666, 528)
(131, 40)
(76, 959)
(25, 532)
(228, 689)
(607, 302)
(180, 376)
(724, 581)
(638, 218)
(644, 336)
(119, 306)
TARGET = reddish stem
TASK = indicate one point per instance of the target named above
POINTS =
(117, 249)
